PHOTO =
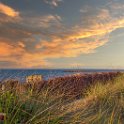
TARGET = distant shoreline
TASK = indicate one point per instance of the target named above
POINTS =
(20, 74)
(94, 70)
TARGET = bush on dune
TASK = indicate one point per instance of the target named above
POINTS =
(75, 84)
(102, 102)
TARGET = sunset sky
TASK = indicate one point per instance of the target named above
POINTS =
(62, 34)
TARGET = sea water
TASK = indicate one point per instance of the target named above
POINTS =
(20, 74)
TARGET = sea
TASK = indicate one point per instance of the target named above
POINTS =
(20, 74)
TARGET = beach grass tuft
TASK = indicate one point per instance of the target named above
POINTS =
(101, 101)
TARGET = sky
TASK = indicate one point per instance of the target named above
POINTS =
(62, 34)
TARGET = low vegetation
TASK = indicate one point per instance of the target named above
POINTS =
(78, 99)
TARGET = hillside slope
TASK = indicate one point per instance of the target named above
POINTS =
(101, 101)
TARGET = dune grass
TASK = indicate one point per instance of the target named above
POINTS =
(103, 104)
(28, 108)
(100, 103)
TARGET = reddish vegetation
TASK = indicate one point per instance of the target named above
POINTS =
(76, 83)
(69, 85)
(2, 116)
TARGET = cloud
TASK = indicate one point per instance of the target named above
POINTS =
(54, 3)
(84, 38)
(31, 41)
(8, 15)
(44, 21)
(16, 56)
(9, 50)
(4, 9)
(21, 44)
(68, 47)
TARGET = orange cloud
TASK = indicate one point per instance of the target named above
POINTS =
(9, 50)
(8, 10)
(21, 44)
(17, 55)
(69, 48)
(78, 40)
(26, 51)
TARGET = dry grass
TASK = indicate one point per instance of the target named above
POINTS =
(77, 99)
